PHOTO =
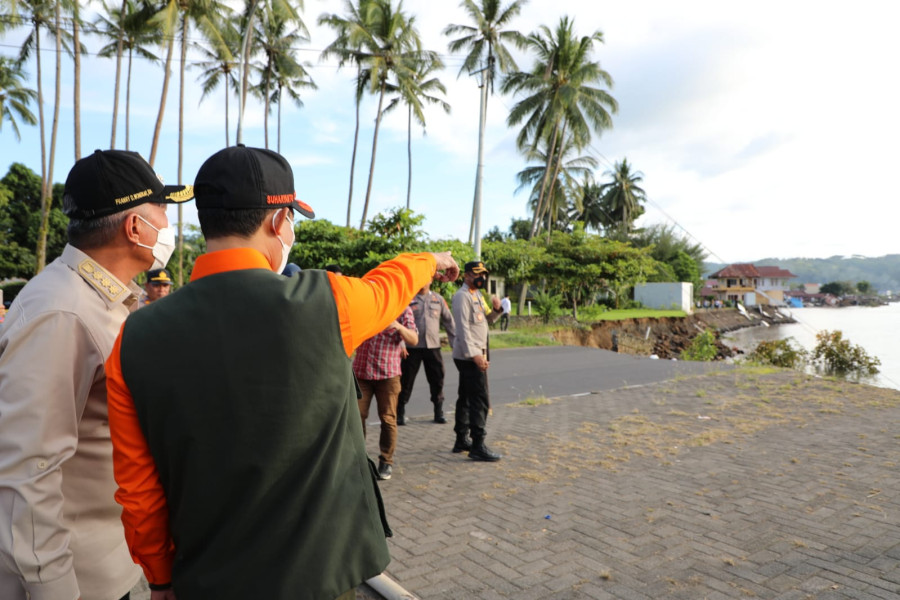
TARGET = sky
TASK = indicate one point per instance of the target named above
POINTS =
(767, 129)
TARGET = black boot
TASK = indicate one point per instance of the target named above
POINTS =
(439, 413)
(401, 413)
(481, 452)
(463, 443)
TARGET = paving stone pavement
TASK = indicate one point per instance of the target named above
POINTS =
(736, 484)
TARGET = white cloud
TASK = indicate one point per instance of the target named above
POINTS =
(765, 129)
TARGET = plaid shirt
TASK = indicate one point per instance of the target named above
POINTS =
(379, 357)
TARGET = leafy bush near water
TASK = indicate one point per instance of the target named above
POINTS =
(779, 353)
(836, 356)
(833, 355)
(702, 348)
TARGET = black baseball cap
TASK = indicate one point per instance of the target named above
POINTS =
(161, 276)
(110, 181)
(475, 266)
(239, 177)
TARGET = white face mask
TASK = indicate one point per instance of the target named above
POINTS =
(285, 248)
(163, 248)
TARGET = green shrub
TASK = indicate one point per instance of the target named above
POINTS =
(836, 356)
(591, 313)
(547, 305)
(779, 353)
(702, 348)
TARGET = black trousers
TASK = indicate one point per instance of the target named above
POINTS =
(434, 373)
(472, 404)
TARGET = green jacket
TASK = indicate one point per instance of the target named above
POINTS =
(245, 395)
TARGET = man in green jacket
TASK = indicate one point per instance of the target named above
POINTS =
(239, 452)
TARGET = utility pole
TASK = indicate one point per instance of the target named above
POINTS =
(479, 172)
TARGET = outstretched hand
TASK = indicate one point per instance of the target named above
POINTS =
(447, 269)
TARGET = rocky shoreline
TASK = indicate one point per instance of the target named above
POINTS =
(668, 337)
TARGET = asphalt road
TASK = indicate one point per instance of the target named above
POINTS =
(516, 374)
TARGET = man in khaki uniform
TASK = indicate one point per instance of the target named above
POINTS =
(470, 356)
(430, 311)
(61, 536)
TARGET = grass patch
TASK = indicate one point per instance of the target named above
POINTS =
(596, 313)
(535, 401)
(540, 334)
(523, 339)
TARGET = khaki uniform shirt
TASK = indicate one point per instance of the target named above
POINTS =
(430, 311)
(471, 323)
(61, 533)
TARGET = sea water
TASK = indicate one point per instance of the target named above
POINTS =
(876, 329)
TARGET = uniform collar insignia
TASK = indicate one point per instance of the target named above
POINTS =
(102, 280)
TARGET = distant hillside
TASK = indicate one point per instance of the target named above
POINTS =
(882, 272)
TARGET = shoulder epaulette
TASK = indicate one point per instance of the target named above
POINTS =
(101, 279)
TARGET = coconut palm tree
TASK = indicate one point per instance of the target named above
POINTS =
(561, 97)
(564, 184)
(622, 195)
(14, 96)
(289, 12)
(347, 48)
(45, 15)
(219, 65)
(391, 50)
(290, 76)
(486, 45)
(131, 32)
(278, 44)
(176, 18)
(588, 208)
(415, 92)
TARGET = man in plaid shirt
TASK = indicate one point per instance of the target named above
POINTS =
(377, 368)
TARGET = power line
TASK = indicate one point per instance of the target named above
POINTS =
(453, 60)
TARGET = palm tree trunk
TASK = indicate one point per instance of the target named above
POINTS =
(409, 155)
(41, 249)
(184, 43)
(245, 74)
(280, 91)
(48, 186)
(76, 93)
(227, 143)
(536, 219)
(266, 113)
(40, 90)
(553, 180)
(128, 101)
(355, 143)
(362, 222)
(162, 101)
(119, 48)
